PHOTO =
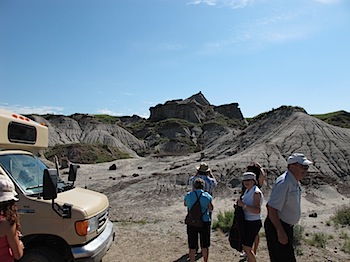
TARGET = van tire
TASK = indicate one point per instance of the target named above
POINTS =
(41, 254)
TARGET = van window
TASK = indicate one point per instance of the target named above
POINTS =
(21, 133)
(26, 170)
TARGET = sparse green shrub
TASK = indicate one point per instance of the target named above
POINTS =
(224, 221)
(225, 121)
(298, 233)
(344, 235)
(346, 247)
(342, 216)
(318, 240)
(86, 153)
(338, 118)
(107, 118)
(174, 123)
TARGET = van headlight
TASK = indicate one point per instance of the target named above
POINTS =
(85, 227)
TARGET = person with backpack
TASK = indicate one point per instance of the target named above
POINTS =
(251, 202)
(203, 230)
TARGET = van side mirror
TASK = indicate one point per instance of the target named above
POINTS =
(72, 172)
(50, 184)
(50, 192)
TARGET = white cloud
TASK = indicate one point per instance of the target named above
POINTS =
(169, 46)
(328, 2)
(223, 3)
(260, 32)
(106, 111)
(27, 110)
(207, 2)
(235, 4)
(126, 94)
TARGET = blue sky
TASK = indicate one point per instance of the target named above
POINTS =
(120, 57)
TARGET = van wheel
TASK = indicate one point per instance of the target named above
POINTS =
(41, 254)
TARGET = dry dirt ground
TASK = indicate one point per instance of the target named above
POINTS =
(146, 206)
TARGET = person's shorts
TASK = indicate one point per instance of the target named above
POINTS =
(252, 228)
(203, 233)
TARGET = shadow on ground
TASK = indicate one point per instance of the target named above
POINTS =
(186, 258)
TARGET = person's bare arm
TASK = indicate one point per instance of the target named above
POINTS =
(256, 204)
(275, 219)
(210, 206)
(14, 242)
(210, 174)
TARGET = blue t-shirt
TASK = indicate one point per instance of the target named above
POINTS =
(210, 183)
(205, 199)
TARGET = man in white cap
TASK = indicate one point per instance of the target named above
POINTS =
(204, 172)
(284, 209)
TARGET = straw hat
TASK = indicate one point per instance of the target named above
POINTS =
(203, 167)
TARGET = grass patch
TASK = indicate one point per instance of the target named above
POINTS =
(133, 222)
(107, 119)
(224, 221)
(225, 121)
(174, 123)
(298, 233)
(346, 246)
(342, 217)
(344, 235)
(86, 153)
(318, 240)
(338, 118)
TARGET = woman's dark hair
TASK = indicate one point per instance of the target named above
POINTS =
(9, 210)
(256, 169)
(198, 183)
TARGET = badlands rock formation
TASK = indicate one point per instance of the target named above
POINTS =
(268, 138)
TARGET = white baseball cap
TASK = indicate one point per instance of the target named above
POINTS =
(298, 158)
(7, 189)
(249, 176)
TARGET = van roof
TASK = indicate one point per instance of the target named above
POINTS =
(13, 135)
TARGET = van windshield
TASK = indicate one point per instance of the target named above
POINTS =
(26, 171)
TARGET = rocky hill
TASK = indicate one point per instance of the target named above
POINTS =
(80, 128)
(271, 137)
(182, 127)
(219, 134)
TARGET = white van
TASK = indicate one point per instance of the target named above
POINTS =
(59, 221)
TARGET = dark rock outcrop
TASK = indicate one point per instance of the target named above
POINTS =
(195, 109)
(230, 111)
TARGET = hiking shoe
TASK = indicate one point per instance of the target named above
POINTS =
(243, 255)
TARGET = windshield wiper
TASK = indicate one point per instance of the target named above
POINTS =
(33, 187)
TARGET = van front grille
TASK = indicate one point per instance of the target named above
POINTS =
(102, 219)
